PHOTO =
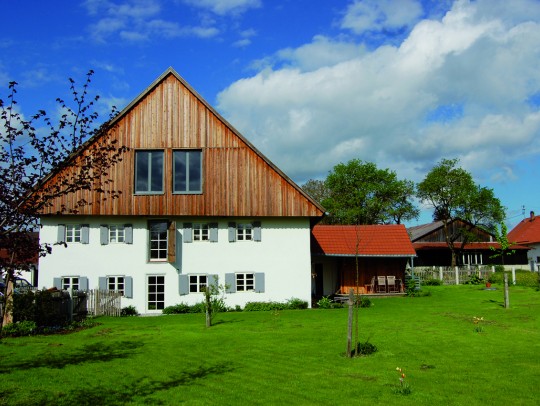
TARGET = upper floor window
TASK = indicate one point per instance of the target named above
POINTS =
(187, 171)
(117, 234)
(149, 171)
(200, 232)
(73, 233)
(244, 232)
(158, 240)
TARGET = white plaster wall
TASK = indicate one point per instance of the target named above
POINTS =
(283, 256)
(533, 255)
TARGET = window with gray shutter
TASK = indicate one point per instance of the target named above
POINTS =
(232, 231)
(61, 238)
(128, 230)
(259, 282)
(256, 231)
(188, 232)
(213, 232)
(103, 234)
(183, 284)
(230, 282)
(85, 234)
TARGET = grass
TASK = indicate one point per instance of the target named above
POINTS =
(292, 357)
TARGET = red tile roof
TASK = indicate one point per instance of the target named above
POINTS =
(527, 231)
(374, 240)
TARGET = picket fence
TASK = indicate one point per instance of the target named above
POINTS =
(452, 275)
(103, 302)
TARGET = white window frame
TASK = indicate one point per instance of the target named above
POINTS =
(73, 233)
(195, 283)
(71, 282)
(162, 244)
(201, 232)
(117, 234)
(158, 296)
(244, 232)
(117, 283)
(245, 281)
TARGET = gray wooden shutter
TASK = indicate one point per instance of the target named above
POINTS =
(257, 231)
(128, 287)
(188, 232)
(128, 233)
(178, 263)
(213, 232)
(103, 234)
(83, 283)
(183, 284)
(85, 234)
(102, 283)
(61, 233)
(230, 282)
(57, 283)
(259, 282)
(232, 231)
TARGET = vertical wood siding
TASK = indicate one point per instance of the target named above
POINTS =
(237, 180)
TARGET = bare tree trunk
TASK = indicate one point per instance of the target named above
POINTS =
(8, 300)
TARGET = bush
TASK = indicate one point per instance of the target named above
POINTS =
(365, 349)
(523, 278)
(19, 328)
(475, 280)
(365, 302)
(129, 311)
(295, 303)
(325, 303)
(264, 306)
(433, 282)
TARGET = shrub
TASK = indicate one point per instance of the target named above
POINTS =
(129, 311)
(325, 303)
(475, 280)
(365, 302)
(365, 349)
(19, 328)
(264, 306)
(295, 303)
(433, 282)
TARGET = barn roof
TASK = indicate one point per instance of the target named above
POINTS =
(371, 240)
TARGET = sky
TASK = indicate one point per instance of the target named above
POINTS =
(312, 83)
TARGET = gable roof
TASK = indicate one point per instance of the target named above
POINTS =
(374, 241)
(527, 231)
(238, 180)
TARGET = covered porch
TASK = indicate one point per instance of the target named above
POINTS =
(382, 253)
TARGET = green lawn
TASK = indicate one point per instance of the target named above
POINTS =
(292, 357)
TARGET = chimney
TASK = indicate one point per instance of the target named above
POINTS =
(532, 215)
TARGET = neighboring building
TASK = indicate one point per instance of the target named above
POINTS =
(527, 232)
(431, 247)
(198, 201)
(28, 264)
(381, 250)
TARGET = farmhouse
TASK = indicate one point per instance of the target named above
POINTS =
(199, 204)
(527, 233)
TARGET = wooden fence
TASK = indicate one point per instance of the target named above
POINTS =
(456, 275)
(103, 302)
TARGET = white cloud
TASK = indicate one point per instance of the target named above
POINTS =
(137, 21)
(331, 100)
(379, 15)
(223, 7)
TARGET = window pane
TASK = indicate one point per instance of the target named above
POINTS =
(141, 171)
(195, 171)
(180, 172)
(157, 171)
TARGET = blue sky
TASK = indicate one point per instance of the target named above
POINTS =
(312, 83)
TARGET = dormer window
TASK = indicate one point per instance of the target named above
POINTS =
(149, 172)
(187, 171)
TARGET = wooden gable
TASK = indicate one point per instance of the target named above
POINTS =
(238, 180)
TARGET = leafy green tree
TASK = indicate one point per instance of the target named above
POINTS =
(316, 189)
(451, 192)
(501, 236)
(360, 193)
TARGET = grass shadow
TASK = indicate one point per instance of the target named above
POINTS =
(136, 392)
(497, 302)
(98, 352)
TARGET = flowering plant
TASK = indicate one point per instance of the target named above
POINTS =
(477, 323)
(404, 387)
